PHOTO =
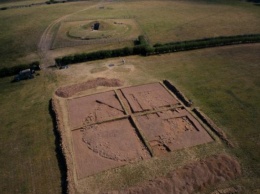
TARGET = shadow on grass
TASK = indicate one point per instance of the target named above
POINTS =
(256, 2)
(253, 1)
(52, 67)
(59, 155)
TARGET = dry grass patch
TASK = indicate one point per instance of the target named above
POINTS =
(98, 69)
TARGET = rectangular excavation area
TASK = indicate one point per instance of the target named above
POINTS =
(93, 108)
(104, 146)
(171, 130)
(148, 97)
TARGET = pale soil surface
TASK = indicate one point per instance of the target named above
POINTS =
(45, 42)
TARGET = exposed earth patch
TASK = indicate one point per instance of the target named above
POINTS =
(132, 124)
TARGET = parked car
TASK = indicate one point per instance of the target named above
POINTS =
(24, 74)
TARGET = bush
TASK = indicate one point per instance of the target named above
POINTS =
(141, 40)
(157, 45)
(8, 71)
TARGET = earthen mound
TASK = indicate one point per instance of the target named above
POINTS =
(190, 178)
(69, 91)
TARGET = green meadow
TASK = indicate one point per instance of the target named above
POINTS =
(224, 82)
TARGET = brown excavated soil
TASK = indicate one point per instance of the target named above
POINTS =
(95, 108)
(148, 97)
(190, 178)
(111, 129)
(171, 130)
(107, 145)
(69, 91)
(104, 138)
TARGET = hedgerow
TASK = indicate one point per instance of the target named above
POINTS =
(8, 71)
(143, 48)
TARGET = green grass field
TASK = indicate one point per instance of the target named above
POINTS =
(28, 157)
(160, 21)
(223, 82)
(21, 32)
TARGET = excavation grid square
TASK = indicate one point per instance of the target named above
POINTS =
(94, 108)
(148, 97)
(171, 130)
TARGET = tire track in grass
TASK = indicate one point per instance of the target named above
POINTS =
(45, 42)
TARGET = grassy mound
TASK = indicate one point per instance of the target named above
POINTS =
(107, 29)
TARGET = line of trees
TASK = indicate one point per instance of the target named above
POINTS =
(83, 57)
(205, 43)
(8, 71)
(142, 47)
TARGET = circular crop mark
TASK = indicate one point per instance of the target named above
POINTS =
(98, 30)
(114, 143)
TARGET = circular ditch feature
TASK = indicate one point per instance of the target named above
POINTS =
(115, 140)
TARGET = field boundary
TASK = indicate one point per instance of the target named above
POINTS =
(146, 49)
(9, 71)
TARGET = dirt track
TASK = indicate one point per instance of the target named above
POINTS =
(190, 178)
(45, 42)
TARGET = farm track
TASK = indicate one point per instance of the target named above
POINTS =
(46, 39)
